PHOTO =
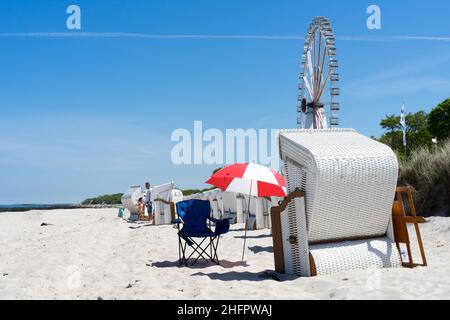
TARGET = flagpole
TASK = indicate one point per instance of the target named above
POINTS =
(403, 123)
(404, 147)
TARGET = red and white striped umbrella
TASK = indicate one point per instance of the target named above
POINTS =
(252, 179)
(249, 178)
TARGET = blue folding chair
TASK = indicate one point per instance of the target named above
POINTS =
(193, 216)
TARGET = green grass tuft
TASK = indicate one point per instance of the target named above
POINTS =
(428, 174)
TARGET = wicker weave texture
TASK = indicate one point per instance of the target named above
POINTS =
(349, 181)
(352, 255)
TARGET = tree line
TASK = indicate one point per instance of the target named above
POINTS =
(421, 128)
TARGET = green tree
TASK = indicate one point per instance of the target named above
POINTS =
(392, 124)
(417, 133)
(187, 192)
(105, 199)
(439, 120)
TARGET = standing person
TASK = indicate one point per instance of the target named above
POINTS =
(148, 200)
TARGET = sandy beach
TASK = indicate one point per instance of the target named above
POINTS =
(92, 254)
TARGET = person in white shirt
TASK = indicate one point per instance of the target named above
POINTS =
(148, 200)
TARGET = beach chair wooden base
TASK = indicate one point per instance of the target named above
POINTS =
(326, 257)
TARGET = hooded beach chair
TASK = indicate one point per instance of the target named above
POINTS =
(193, 216)
(337, 215)
(228, 201)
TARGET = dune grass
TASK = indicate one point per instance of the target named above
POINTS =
(427, 172)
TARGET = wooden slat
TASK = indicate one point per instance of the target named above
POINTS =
(312, 265)
(277, 237)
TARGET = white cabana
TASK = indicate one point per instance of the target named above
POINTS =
(341, 216)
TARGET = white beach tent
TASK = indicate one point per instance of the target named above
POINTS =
(339, 218)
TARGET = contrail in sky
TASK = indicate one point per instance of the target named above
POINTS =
(212, 36)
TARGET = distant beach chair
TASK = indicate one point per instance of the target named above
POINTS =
(228, 203)
(193, 216)
(162, 197)
(230, 216)
(240, 207)
(338, 213)
(250, 221)
(262, 212)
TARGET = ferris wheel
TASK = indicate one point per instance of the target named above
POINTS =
(319, 78)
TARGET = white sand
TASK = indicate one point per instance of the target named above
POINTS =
(90, 253)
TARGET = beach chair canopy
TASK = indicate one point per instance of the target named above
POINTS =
(162, 191)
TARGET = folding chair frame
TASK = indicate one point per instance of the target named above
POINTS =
(197, 248)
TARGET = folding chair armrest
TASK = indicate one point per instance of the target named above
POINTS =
(214, 219)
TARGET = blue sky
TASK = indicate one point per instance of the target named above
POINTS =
(82, 116)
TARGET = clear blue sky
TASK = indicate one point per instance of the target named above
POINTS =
(84, 116)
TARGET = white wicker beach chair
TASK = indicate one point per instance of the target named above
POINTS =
(130, 198)
(261, 211)
(228, 204)
(212, 196)
(259, 208)
(337, 215)
(193, 196)
(240, 208)
(161, 196)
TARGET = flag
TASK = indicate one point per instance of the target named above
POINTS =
(403, 123)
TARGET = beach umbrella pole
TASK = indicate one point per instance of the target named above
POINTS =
(246, 220)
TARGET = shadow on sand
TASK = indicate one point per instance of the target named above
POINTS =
(246, 276)
(258, 249)
(200, 264)
(260, 236)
